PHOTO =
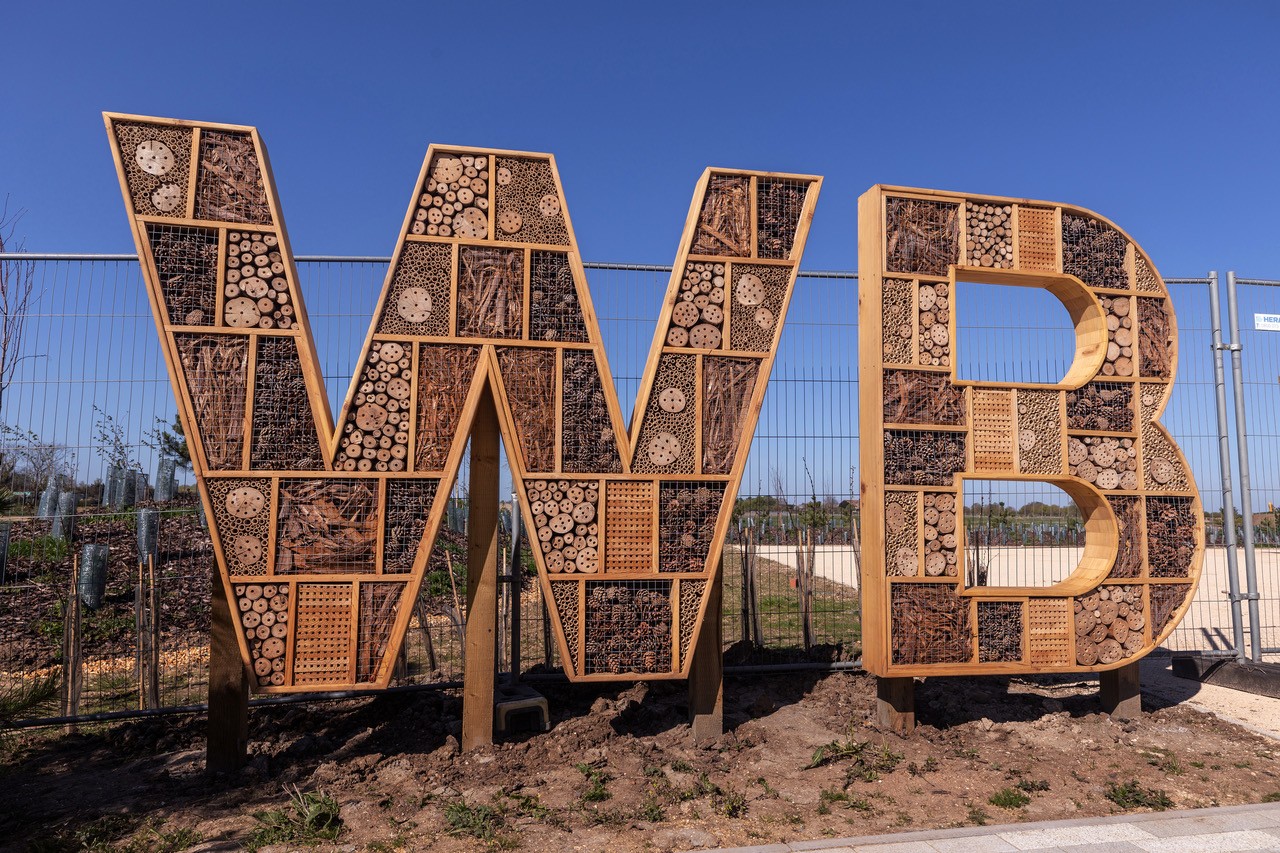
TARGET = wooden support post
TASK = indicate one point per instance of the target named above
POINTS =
(482, 578)
(706, 675)
(1121, 693)
(228, 688)
(896, 704)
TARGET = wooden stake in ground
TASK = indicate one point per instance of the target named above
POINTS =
(72, 661)
(482, 577)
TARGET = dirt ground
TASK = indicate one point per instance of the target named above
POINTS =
(619, 770)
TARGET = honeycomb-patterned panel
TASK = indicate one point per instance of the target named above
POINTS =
(1039, 432)
(898, 301)
(322, 639)
(756, 307)
(902, 533)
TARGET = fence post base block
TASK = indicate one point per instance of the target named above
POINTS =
(896, 704)
(1120, 691)
(706, 676)
(482, 578)
(228, 741)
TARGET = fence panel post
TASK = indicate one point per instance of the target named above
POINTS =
(1224, 462)
(1242, 456)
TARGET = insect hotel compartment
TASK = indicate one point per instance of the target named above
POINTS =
(989, 235)
(1166, 598)
(728, 384)
(157, 162)
(691, 593)
(1037, 239)
(687, 524)
(697, 317)
(902, 533)
(1039, 432)
(1000, 631)
(897, 304)
(930, 624)
(490, 292)
(922, 397)
(242, 520)
(229, 184)
(756, 309)
(564, 597)
(942, 534)
(1155, 343)
(528, 203)
(921, 458)
(565, 521)
(724, 221)
(628, 522)
(528, 376)
(1129, 520)
(215, 369)
(628, 627)
(376, 434)
(555, 313)
(1109, 624)
(454, 201)
(322, 636)
(408, 503)
(186, 262)
(934, 318)
(263, 613)
(669, 431)
(588, 444)
(779, 204)
(255, 289)
(1104, 406)
(1094, 252)
(284, 432)
(379, 603)
(445, 372)
(1162, 470)
(1171, 536)
(1109, 462)
(418, 302)
(921, 236)
(1119, 359)
(327, 526)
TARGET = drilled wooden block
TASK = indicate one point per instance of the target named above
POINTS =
(668, 438)
(157, 163)
(1037, 243)
(528, 202)
(186, 261)
(1000, 631)
(242, 519)
(418, 301)
(993, 432)
(229, 185)
(1049, 628)
(529, 376)
(322, 639)
(1039, 432)
(379, 604)
(262, 611)
(215, 368)
(628, 520)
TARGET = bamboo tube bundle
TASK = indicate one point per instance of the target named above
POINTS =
(902, 534)
(779, 204)
(697, 316)
(1120, 348)
(628, 627)
(930, 624)
(528, 376)
(921, 236)
(934, 318)
(156, 162)
(284, 430)
(1104, 406)
(1000, 631)
(554, 311)
(378, 605)
(256, 291)
(444, 377)
(376, 434)
(1155, 340)
(922, 397)
(1094, 252)
(942, 532)
(455, 199)
(897, 328)
(1145, 278)
(691, 592)
(1161, 467)
(490, 293)
(724, 222)
(756, 310)
(564, 520)
(229, 181)
(1039, 432)
(1166, 598)
(216, 371)
(1171, 536)
(1106, 461)
(528, 202)
(669, 432)
(408, 504)
(1109, 624)
(565, 598)
(264, 618)
(728, 386)
(418, 303)
(922, 458)
(588, 444)
(687, 514)
(1128, 512)
(186, 262)
(989, 235)
(241, 517)
(327, 526)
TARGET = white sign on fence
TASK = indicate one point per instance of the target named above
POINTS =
(1267, 322)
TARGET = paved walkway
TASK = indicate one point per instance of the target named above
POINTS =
(1221, 830)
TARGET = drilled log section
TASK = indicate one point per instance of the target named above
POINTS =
(922, 397)
(529, 375)
(728, 386)
(1039, 432)
(241, 517)
(697, 317)
(1102, 406)
(186, 262)
(444, 377)
(418, 303)
(1106, 461)
(588, 444)
(896, 299)
(327, 526)
(934, 318)
(555, 313)
(687, 514)
(724, 222)
(667, 434)
(256, 290)
(779, 204)
(999, 631)
(284, 431)
(1128, 512)
(921, 236)
(157, 161)
(229, 184)
(263, 611)
(922, 458)
(378, 605)
(1093, 252)
(1166, 598)
(902, 532)
(942, 533)
(1171, 536)
(628, 627)
(930, 624)
(490, 292)
(322, 633)
(565, 598)
(758, 292)
(1109, 624)
(455, 198)
(408, 504)
(1155, 341)
(691, 592)
(989, 235)
(375, 436)
(528, 202)
(1120, 347)
(216, 371)
(565, 529)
